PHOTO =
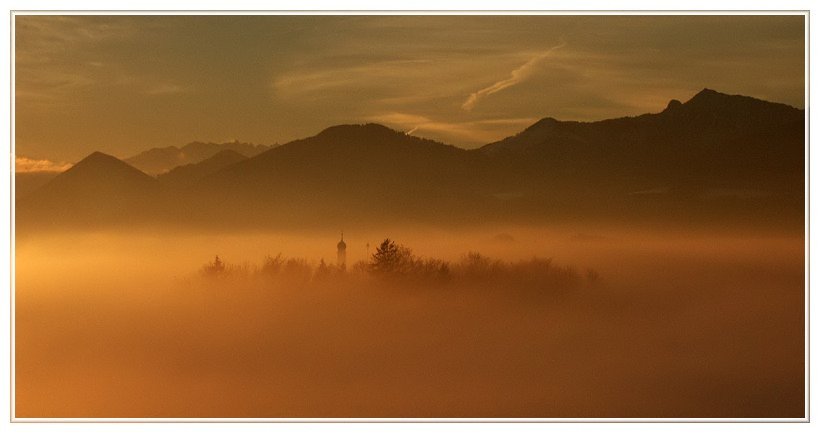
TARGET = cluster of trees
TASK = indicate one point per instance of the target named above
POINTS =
(278, 266)
(391, 258)
(214, 269)
(396, 261)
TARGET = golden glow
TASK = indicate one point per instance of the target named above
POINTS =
(709, 325)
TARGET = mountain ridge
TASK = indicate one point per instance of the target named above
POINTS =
(184, 175)
(158, 160)
(701, 134)
(748, 153)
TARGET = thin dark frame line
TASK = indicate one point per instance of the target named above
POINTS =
(420, 11)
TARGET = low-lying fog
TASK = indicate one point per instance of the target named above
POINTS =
(618, 323)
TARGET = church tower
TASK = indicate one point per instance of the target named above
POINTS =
(341, 254)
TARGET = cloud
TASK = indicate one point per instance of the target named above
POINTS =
(403, 119)
(59, 58)
(473, 133)
(470, 133)
(385, 74)
(516, 76)
(28, 165)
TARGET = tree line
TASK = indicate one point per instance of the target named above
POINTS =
(393, 260)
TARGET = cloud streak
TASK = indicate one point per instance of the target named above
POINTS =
(470, 133)
(516, 76)
(28, 165)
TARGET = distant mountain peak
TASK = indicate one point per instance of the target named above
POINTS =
(103, 162)
(161, 160)
(99, 155)
(98, 172)
(357, 129)
(742, 107)
(370, 134)
(547, 122)
(99, 159)
(673, 104)
(708, 95)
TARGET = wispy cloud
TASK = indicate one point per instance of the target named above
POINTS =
(472, 133)
(60, 57)
(402, 119)
(516, 76)
(299, 82)
(28, 165)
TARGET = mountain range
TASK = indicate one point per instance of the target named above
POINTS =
(715, 159)
(163, 159)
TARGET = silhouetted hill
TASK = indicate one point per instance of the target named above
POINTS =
(97, 189)
(162, 159)
(186, 175)
(712, 148)
(344, 172)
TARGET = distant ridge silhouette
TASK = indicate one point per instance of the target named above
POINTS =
(186, 175)
(90, 172)
(163, 159)
(711, 140)
(99, 188)
(714, 158)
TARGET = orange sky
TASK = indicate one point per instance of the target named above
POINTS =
(123, 84)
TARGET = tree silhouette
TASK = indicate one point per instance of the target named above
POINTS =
(391, 257)
(215, 268)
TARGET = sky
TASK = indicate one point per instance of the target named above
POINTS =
(122, 84)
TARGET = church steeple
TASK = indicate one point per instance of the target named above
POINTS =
(341, 253)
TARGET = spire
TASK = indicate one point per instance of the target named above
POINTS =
(341, 255)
